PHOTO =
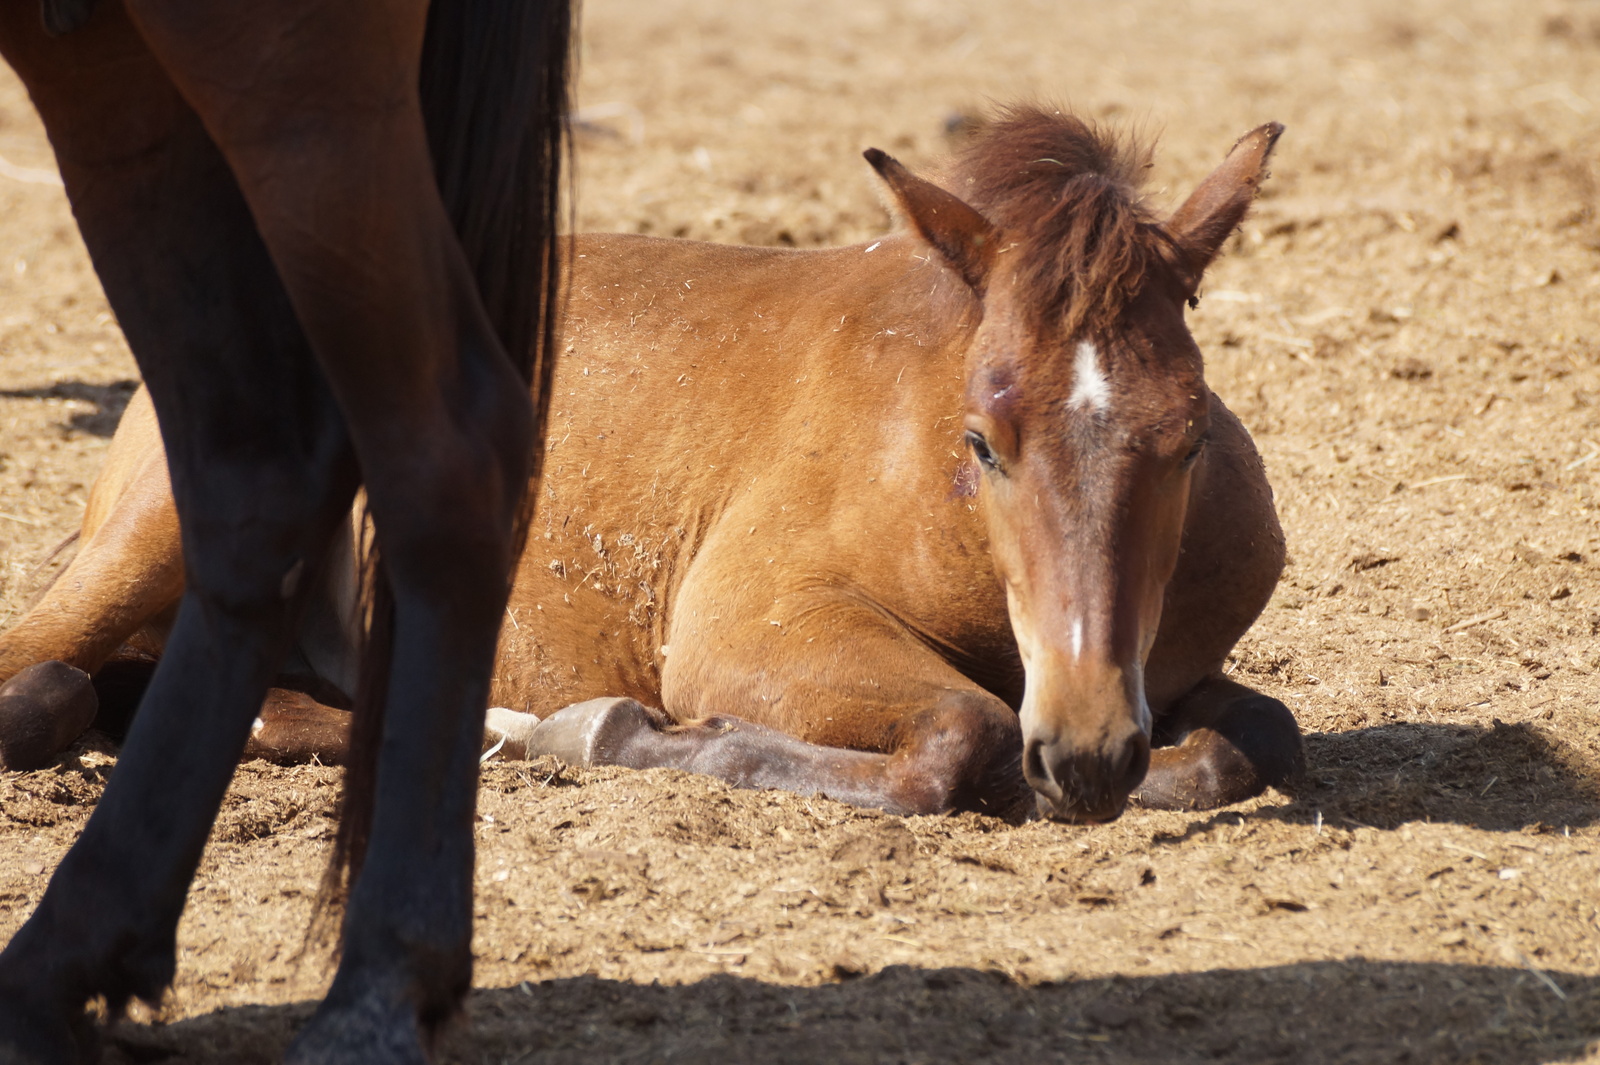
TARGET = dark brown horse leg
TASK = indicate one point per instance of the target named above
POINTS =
(963, 753)
(1230, 743)
(338, 174)
(262, 473)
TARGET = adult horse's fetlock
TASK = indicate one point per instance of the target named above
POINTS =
(29, 1039)
(389, 999)
(363, 1029)
(40, 1025)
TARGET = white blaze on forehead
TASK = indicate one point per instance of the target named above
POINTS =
(1089, 387)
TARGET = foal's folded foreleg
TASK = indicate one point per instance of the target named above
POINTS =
(962, 753)
(1231, 744)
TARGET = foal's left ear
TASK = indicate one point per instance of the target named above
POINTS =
(957, 232)
(1214, 210)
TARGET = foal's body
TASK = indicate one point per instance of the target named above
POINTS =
(820, 566)
(758, 514)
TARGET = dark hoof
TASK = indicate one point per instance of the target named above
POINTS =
(1253, 745)
(43, 710)
(61, 17)
(589, 733)
(366, 1031)
(28, 1037)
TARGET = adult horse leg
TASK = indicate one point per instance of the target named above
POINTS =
(337, 170)
(262, 472)
(862, 713)
(1219, 742)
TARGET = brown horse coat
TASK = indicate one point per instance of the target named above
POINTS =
(761, 512)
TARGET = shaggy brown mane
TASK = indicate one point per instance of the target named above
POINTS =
(1065, 197)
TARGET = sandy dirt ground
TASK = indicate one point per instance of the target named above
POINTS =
(1408, 324)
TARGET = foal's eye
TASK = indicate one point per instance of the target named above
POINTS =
(982, 451)
(1194, 452)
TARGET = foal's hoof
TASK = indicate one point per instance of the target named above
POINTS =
(589, 733)
(508, 733)
(42, 710)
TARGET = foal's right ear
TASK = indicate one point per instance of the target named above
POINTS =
(957, 232)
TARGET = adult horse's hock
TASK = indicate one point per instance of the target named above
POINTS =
(327, 230)
(842, 514)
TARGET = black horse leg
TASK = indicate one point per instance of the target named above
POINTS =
(442, 428)
(262, 474)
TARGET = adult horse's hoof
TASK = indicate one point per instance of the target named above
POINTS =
(42, 710)
(29, 1037)
(369, 1030)
(589, 733)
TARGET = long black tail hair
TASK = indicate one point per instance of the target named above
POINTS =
(495, 87)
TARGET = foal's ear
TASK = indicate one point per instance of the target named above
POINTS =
(1214, 210)
(957, 232)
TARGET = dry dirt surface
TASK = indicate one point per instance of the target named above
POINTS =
(1408, 324)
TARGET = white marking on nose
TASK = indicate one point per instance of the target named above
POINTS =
(1077, 637)
(1090, 388)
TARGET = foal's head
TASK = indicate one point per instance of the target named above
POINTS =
(1086, 411)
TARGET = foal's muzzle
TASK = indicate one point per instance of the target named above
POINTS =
(1085, 784)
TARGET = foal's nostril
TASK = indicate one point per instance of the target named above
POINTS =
(1132, 764)
(1036, 770)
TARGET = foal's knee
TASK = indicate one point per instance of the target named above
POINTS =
(1230, 751)
(963, 754)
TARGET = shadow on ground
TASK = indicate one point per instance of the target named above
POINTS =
(1309, 1014)
(1503, 778)
(110, 401)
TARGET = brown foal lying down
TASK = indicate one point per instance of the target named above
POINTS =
(948, 520)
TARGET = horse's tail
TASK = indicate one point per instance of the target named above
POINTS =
(494, 86)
